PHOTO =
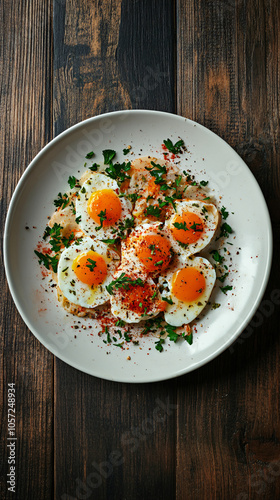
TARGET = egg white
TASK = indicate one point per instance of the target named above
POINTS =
(180, 313)
(97, 182)
(72, 288)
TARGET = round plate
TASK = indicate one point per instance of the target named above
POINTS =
(209, 158)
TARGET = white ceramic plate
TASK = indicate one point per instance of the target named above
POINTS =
(209, 158)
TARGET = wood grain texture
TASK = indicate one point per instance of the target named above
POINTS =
(228, 79)
(108, 444)
(25, 95)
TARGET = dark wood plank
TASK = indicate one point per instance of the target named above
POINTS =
(104, 54)
(25, 128)
(228, 425)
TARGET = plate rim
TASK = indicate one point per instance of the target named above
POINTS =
(11, 209)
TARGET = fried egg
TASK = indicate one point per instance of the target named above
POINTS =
(85, 269)
(192, 226)
(148, 248)
(100, 209)
(134, 297)
(186, 286)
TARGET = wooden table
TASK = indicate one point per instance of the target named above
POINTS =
(214, 61)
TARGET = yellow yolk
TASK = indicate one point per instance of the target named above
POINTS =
(90, 268)
(154, 252)
(188, 284)
(193, 228)
(106, 201)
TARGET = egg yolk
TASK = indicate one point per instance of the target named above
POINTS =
(104, 207)
(154, 252)
(191, 232)
(90, 268)
(188, 284)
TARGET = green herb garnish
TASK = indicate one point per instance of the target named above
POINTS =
(226, 230)
(226, 289)
(72, 181)
(89, 155)
(94, 167)
(109, 155)
(196, 227)
(102, 216)
(47, 260)
(217, 257)
(110, 241)
(153, 210)
(158, 345)
(124, 282)
(91, 265)
(173, 148)
(157, 171)
(62, 200)
(181, 225)
(224, 213)
(169, 301)
(222, 278)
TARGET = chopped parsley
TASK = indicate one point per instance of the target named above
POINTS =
(169, 301)
(62, 200)
(91, 265)
(181, 225)
(196, 227)
(118, 171)
(183, 245)
(47, 260)
(152, 248)
(153, 210)
(158, 345)
(157, 171)
(133, 197)
(109, 155)
(72, 181)
(102, 216)
(127, 337)
(178, 180)
(203, 183)
(89, 155)
(123, 226)
(226, 288)
(119, 345)
(124, 282)
(78, 219)
(224, 213)
(173, 148)
(120, 323)
(226, 230)
(189, 338)
(56, 238)
(110, 241)
(223, 277)
(94, 167)
(126, 151)
(217, 257)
